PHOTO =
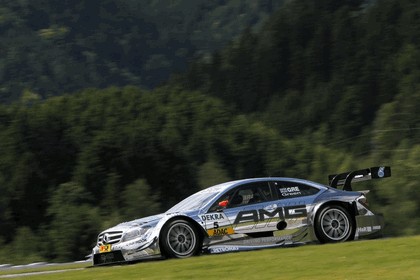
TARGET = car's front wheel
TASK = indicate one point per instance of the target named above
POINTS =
(334, 224)
(179, 239)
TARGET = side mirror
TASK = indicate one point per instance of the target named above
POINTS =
(223, 203)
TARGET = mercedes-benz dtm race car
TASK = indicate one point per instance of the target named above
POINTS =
(248, 214)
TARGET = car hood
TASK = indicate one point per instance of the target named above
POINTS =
(150, 220)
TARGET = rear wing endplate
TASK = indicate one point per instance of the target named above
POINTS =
(345, 179)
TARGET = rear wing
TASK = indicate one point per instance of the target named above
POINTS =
(345, 179)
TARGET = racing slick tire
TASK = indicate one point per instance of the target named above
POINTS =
(179, 239)
(334, 224)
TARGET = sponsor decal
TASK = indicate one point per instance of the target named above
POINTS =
(136, 242)
(369, 228)
(105, 248)
(260, 215)
(213, 217)
(264, 240)
(365, 229)
(107, 257)
(290, 191)
(220, 231)
(381, 172)
(224, 249)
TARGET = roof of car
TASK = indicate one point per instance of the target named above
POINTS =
(231, 184)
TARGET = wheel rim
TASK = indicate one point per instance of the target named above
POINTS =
(335, 224)
(181, 239)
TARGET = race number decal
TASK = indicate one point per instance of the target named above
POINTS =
(217, 224)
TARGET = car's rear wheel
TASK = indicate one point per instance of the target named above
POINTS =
(179, 239)
(334, 224)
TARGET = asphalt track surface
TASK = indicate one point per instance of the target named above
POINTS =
(8, 267)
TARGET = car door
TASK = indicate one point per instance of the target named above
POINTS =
(249, 208)
(293, 198)
(222, 217)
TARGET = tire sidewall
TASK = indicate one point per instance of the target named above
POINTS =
(165, 246)
(324, 238)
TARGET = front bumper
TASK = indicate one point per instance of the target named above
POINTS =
(127, 252)
(108, 258)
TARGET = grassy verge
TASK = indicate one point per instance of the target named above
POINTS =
(393, 258)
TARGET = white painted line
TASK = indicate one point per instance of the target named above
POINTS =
(38, 273)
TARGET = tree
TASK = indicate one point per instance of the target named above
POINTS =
(211, 173)
(398, 197)
(26, 247)
(74, 223)
(139, 201)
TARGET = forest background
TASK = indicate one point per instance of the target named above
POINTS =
(116, 109)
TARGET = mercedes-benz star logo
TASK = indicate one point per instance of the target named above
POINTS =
(105, 238)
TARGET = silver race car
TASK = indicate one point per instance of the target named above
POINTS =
(248, 214)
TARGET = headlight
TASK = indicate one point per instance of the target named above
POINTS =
(134, 233)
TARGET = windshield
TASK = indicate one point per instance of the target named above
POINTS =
(193, 202)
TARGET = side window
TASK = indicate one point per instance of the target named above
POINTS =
(247, 194)
(222, 202)
(250, 194)
(291, 189)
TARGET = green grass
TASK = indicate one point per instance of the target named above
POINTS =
(393, 258)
